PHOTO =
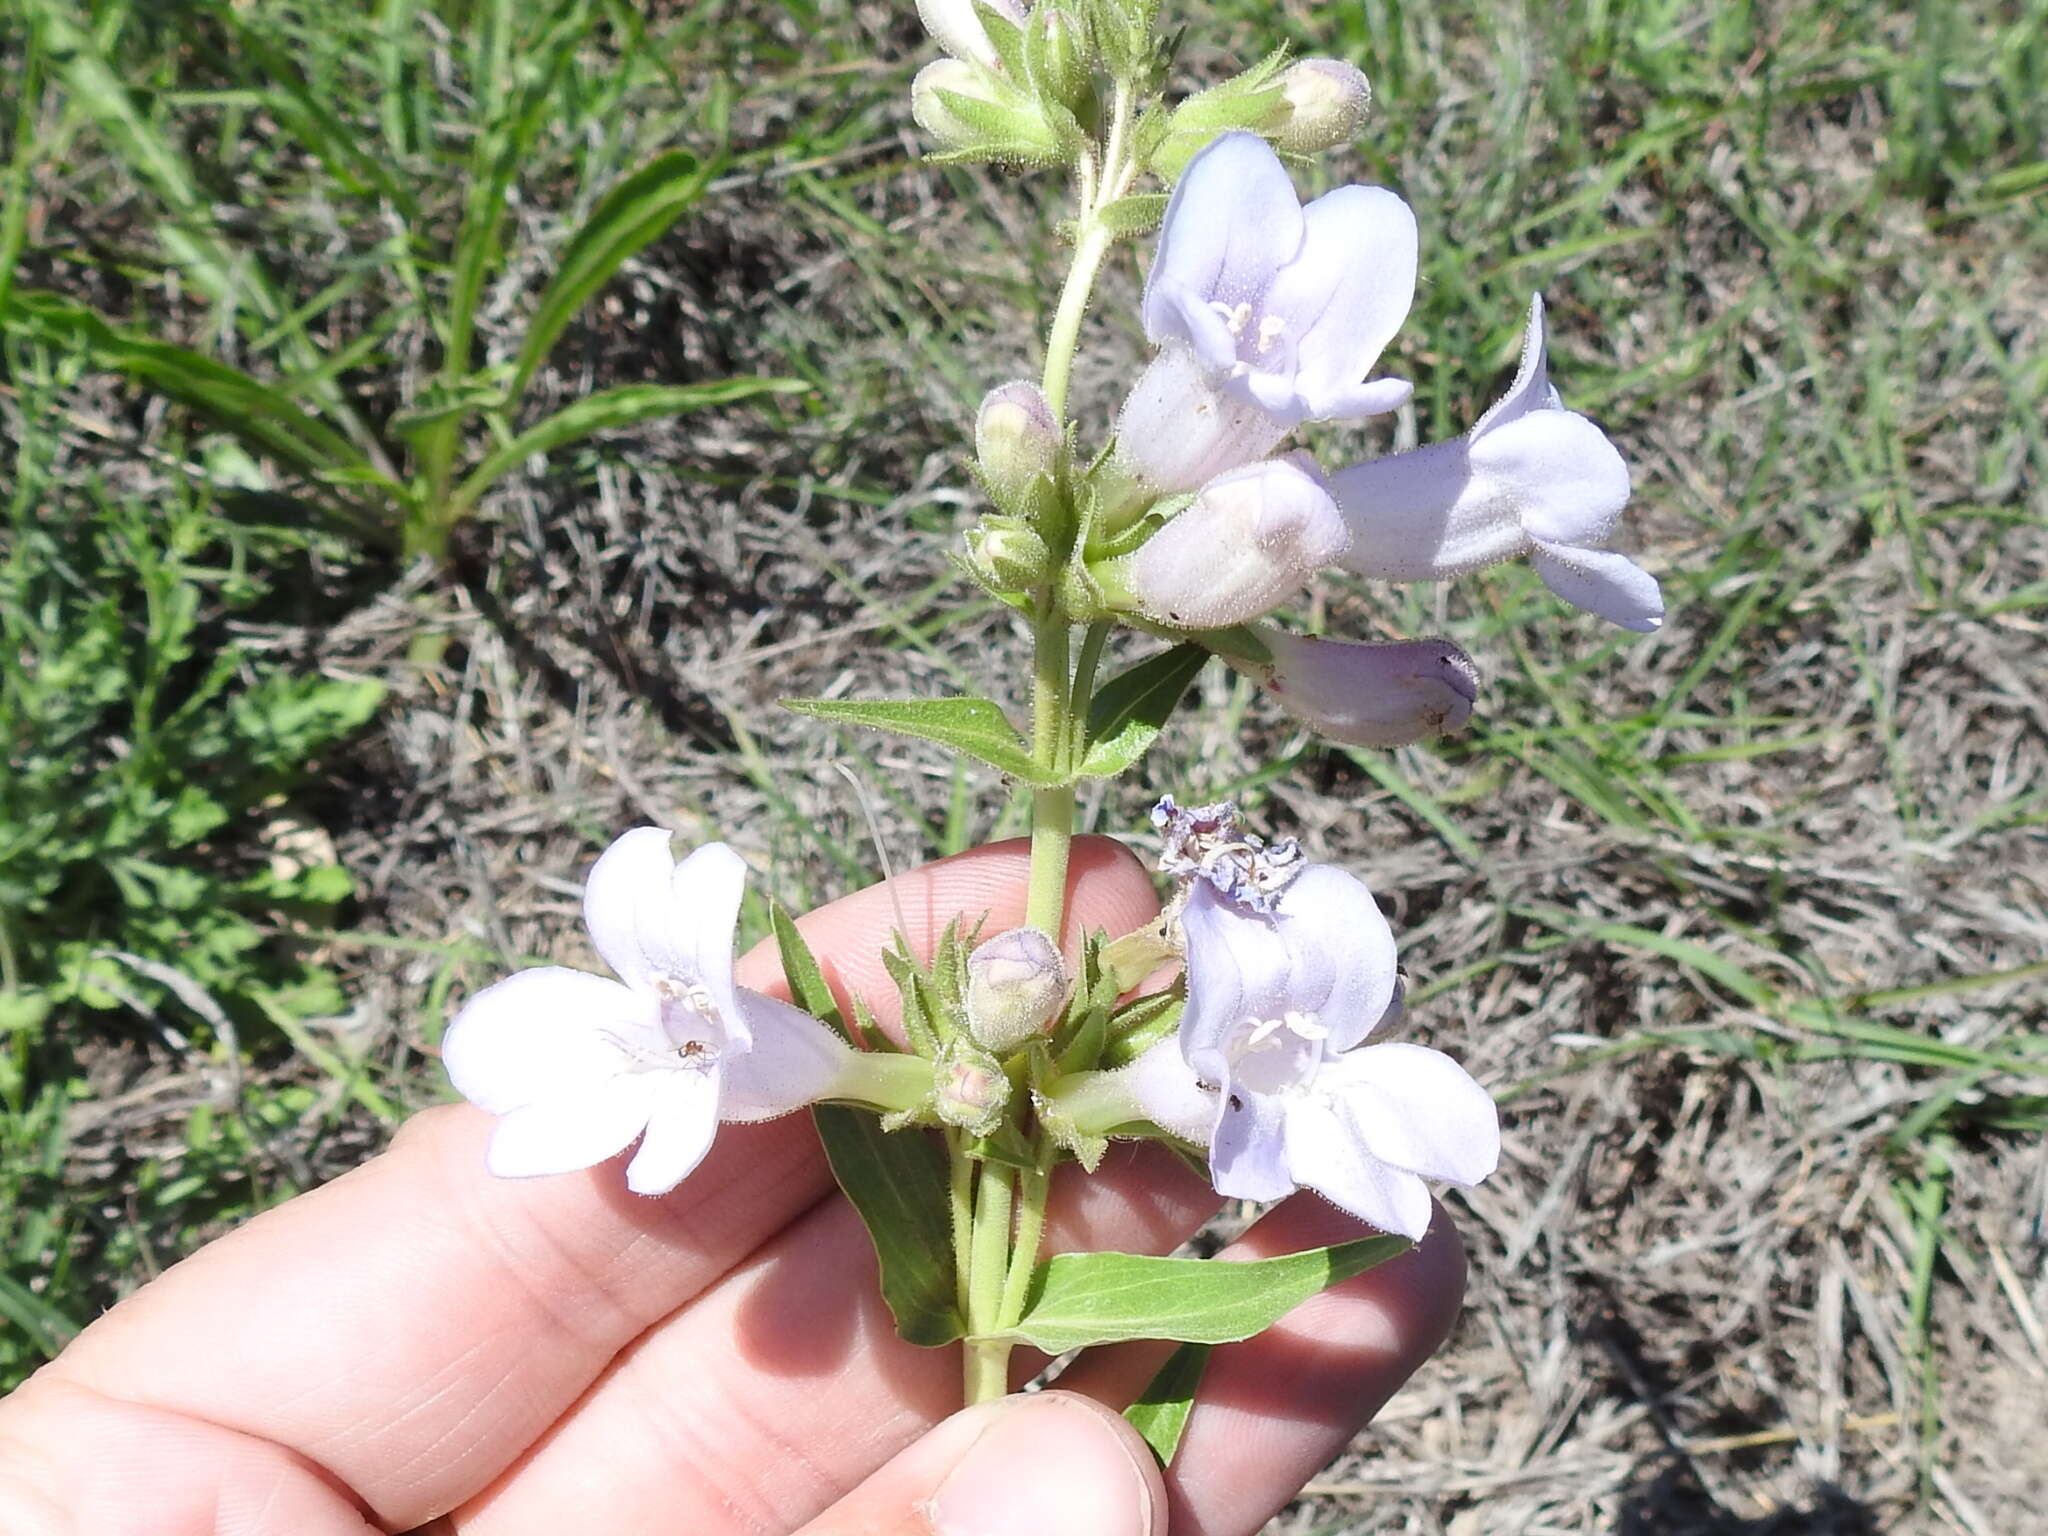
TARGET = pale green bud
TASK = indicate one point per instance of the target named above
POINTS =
(1052, 54)
(957, 27)
(1007, 557)
(1016, 987)
(1016, 440)
(1325, 101)
(972, 1091)
(977, 115)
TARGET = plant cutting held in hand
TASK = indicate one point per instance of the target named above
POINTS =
(1267, 1056)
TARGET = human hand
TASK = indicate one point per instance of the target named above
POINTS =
(419, 1344)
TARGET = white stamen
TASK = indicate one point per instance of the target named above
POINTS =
(1271, 327)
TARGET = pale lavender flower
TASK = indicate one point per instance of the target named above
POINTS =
(1290, 306)
(1249, 540)
(1383, 695)
(1530, 478)
(578, 1066)
(1269, 1068)
(1266, 314)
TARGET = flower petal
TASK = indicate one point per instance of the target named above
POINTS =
(1248, 1149)
(1232, 222)
(1424, 515)
(1382, 695)
(1532, 389)
(530, 1036)
(794, 1060)
(1604, 582)
(1566, 481)
(1178, 431)
(577, 1128)
(1346, 293)
(708, 887)
(1342, 952)
(1326, 1155)
(680, 1124)
(1417, 1109)
(1238, 967)
(629, 908)
(1249, 541)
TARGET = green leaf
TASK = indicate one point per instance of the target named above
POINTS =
(1128, 713)
(977, 727)
(632, 214)
(608, 408)
(1083, 1299)
(800, 970)
(1161, 1411)
(1135, 215)
(257, 412)
(898, 1182)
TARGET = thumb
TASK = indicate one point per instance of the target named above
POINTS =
(1019, 1466)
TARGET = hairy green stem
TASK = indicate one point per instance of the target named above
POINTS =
(987, 1360)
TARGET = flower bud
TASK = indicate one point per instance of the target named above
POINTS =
(978, 115)
(1249, 541)
(1052, 53)
(1008, 558)
(1016, 439)
(1016, 986)
(957, 27)
(1325, 101)
(1369, 695)
(971, 1091)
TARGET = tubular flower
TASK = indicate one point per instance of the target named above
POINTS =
(1368, 695)
(1270, 1071)
(1250, 540)
(578, 1066)
(1530, 478)
(956, 26)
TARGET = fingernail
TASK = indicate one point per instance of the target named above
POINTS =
(1047, 1463)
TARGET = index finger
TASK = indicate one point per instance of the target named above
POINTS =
(412, 1326)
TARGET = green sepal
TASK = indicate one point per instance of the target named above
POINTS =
(901, 1186)
(977, 727)
(1130, 217)
(1240, 642)
(1135, 1029)
(1160, 1413)
(1078, 1300)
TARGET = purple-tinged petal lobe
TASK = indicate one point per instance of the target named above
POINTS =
(1325, 1155)
(682, 1119)
(1564, 480)
(1248, 1151)
(629, 908)
(1602, 582)
(1179, 429)
(1232, 222)
(1532, 389)
(1250, 540)
(1417, 1109)
(1331, 312)
(795, 1060)
(538, 1033)
(1369, 695)
(1343, 951)
(576, 1128)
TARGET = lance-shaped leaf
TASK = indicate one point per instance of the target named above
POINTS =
(259, 413)
(632, 214)
(1161, 1411)
(609, 408)
(1129, 711)
(977, 727)
(897, 1180)
(1083, 1299)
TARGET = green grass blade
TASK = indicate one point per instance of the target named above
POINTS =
(636, 211)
